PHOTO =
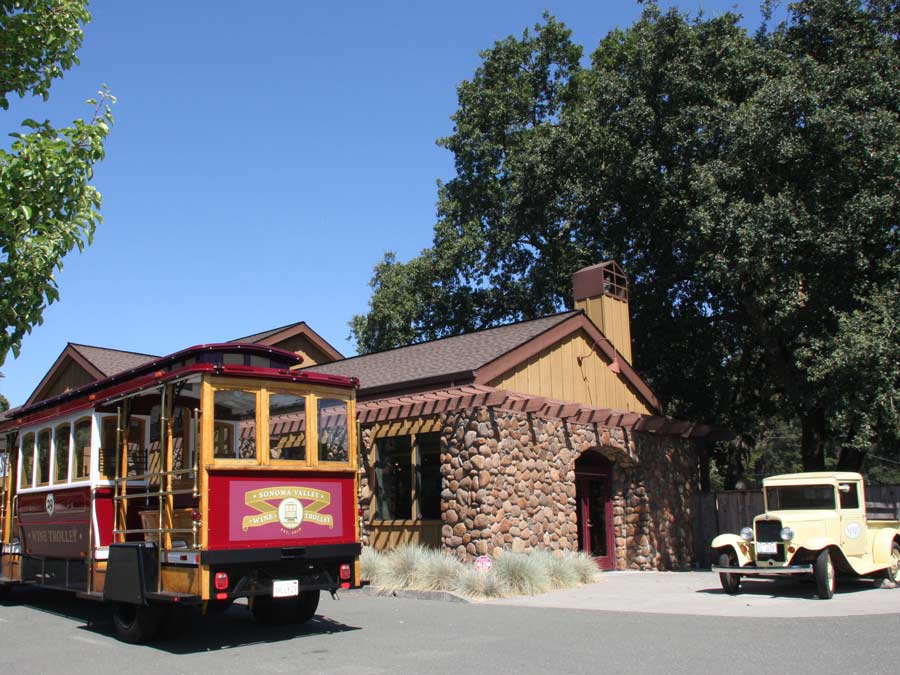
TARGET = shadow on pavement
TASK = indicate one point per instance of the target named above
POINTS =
(232, 628)
(795, 588)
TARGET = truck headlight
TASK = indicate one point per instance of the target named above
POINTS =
(747, 534)
(786, 534)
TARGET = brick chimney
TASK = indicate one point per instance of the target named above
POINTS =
(601, 291)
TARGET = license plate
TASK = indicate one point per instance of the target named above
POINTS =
(766, 547)
(285, 588)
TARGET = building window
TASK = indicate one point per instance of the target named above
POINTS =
(408, 477)
(393, 471)
(61, 454)
(429, 474)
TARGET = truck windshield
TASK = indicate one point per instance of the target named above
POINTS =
(800, 497)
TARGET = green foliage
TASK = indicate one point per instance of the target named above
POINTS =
(47, 207)
(749, 184)
(38, 41)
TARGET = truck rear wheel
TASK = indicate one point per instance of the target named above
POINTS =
(823, 571)
(136, 624)
(731, 583)
(269, 610)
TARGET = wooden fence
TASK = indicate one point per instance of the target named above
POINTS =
(730, 510)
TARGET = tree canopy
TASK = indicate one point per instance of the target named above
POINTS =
(47, 207)
(748, 183)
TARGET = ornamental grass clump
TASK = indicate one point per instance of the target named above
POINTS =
(560, 568)
(584, 566)
(436, 571)
(521, 574)
(400, 570)
(372, 565)
(477, 584)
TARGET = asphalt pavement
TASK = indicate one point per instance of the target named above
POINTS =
(700, 594)
(46, 632)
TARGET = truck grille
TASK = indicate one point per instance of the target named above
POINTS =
(770, 530)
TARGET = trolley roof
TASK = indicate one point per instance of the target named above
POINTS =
(207, 358)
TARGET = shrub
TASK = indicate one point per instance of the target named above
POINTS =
(561, 570)
(400, 570)
(584, 566)
(522, 574)
(436, 571)
(477, 584)
(371, 565)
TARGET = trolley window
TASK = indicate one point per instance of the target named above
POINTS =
(332, 426)
(27, 463)
(61, 444)
(287, 426)
(82, 454)
(234, 430)
(43, 458)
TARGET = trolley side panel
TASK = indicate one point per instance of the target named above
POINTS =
(55, 523)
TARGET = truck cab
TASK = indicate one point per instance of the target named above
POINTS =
(814, 524)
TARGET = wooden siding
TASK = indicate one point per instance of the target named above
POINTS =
(70, 376)
(388, 534)
(610, 315)
(299, 344)
(555, 373)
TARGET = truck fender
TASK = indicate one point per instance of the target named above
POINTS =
(881, 547)
(736, 544)
(819, 543)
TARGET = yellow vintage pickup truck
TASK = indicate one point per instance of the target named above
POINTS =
(815, 524)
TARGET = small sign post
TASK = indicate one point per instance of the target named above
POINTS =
(483, 563)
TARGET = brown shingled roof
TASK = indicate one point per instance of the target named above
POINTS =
(452, 358)
(112, 361)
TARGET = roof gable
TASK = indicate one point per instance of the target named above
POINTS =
(299, 338)
(597, 343)
(81, 364)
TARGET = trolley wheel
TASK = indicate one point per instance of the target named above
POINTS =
(823, 572)
(269, 610)
(731, 583)
(137, 623)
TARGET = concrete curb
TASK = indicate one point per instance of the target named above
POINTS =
(443, 596)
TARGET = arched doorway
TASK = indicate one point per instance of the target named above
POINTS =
(593, 494)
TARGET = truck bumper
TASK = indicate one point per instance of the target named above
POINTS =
(763, 571)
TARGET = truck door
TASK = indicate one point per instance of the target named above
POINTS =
(853, 519)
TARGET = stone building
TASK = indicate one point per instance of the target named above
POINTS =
(534, 434)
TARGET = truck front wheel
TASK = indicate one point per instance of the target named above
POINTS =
(731, 583)
(892, 573)
(823, 571)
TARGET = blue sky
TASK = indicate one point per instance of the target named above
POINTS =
(264, 157)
